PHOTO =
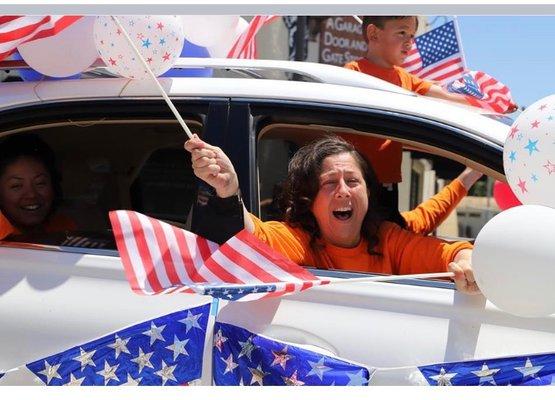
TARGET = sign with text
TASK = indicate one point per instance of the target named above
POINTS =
(341, 41)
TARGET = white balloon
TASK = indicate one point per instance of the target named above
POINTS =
(67, 53)
(529, 154)
(207, 30)
(159, 39)
(514, 260)
(221, 49)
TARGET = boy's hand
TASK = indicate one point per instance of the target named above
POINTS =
(212, 166)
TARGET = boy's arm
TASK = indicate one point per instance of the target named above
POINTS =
(439, 93)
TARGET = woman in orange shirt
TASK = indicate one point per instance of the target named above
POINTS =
(29, 188)
(332, 217)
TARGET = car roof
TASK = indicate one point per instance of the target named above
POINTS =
(343, 88)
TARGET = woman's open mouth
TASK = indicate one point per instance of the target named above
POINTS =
(343, 213)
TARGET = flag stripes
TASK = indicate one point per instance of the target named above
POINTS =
(16, 30)
(160, 258)
(245, 45)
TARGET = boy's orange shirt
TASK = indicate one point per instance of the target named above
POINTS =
(385, 155)
(396, 75)
(403, 252)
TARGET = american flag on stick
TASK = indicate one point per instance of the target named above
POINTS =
(245, 45)
(437, 55)
(160, 258)
(19, 29)
(481, 90)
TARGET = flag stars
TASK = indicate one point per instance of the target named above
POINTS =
(486, 374)
(281, 357)
(532, 146)
(258, 375)
(155, 333)
(318, 368)
(109, 372)
(529, 369)
(357, 379)
(120, 346)
(166, 373)
(230, 365)
(247, 348)
(293, 380)
(219, 340)
(191, 321)
(443, 379)
(73, 381)
(143, 360)
(50, 371)
(85, 358)
(178, 347)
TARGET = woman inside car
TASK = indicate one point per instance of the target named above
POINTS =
(30, 188)
(333, 219)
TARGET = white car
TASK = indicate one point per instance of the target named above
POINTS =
(119, 147)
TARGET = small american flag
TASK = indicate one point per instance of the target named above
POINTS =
(18, 29)
(160, 258)
(245, 45)
(483, 91)
(437, 55)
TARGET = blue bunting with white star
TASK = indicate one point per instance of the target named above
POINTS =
(241, 357)
(530, 370)
(164, 351)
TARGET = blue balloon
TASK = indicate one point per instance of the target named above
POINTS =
(30, 75)
(191, 50)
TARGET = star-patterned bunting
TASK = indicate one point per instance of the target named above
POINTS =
(164, 351)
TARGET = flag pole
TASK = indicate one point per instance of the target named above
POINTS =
(458, 35)
(151, 74)
(389, 278)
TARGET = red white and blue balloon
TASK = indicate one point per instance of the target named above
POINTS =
(529, 154)
(159, 39)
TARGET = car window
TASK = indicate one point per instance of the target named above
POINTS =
(139, 165)
(424, 175)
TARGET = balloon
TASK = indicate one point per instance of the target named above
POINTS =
(221, 49)
(529, 154)
(207, 30)
(159, 39)
(504, 196)
(67, 53)
(30, 75)
(514, 262)
(191, 50)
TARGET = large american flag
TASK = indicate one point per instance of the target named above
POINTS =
(19, 29)
(160, 258)
(245, 45)
(437, 55)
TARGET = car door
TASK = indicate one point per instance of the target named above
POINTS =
(56, 293)
(402, 323)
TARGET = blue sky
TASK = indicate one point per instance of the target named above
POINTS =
(516, 50)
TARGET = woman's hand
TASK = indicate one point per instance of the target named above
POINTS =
(212, 166)
(464, 277)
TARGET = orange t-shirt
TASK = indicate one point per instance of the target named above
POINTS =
(431, 213)
(396, 75)
(56, 223)
(385, 155)
(403, 252)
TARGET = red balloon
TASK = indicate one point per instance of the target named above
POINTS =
(504, 196)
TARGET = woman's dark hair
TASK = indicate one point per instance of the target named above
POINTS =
(303, 184)
(30, 145)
